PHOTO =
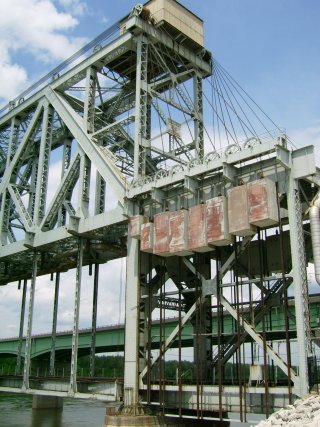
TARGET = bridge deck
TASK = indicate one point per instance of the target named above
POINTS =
(111, 338)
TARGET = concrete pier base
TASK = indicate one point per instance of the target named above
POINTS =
(157, 421)
(136, 415)
(47, 402)
(134, 420)
(141, 416)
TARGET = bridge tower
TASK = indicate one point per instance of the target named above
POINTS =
(223, 231)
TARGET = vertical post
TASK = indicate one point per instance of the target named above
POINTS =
(4, 217)
(94, 319)
(85, 164)
(26, 370)
(54, 324)
(22, 313)
(33, 183)
(299, 282)
(89, 103)
(131, 368)
(84, 185)
(143, 112)
(134, 333)
(203, 326)
(75, 332)
(100, 194)
(13, 140)
(43, 165)
(88, 116)
(66, 158)
(198, 116)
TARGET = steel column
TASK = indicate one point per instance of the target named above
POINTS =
(84, 186)
(75, 331)
(94, 319)
(32, 189)
(43, 165)
(198, 116)
(89, 103)
(13, 140)
(66, 159)
(5, 217)
(142, 113)
(131, 368)
(54, 324)
(300, 283)
(22, 313)
(100, 199)
(26, 370)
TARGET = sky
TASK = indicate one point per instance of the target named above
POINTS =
(271, 47)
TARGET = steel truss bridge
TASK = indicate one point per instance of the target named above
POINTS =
(125, 122)
(110, 339)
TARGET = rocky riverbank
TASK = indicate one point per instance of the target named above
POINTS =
(304, 412)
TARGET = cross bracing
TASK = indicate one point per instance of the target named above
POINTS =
(91, 109)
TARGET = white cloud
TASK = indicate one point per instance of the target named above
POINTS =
(37, 28)
(307, 136)
(110, 301)
(76, 7)
(13, 79)
(104, 20)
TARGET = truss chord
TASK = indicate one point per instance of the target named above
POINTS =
(55, 72)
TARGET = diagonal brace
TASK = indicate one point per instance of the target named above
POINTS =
(103, 162)
(23, 213)
(258, 339)
(22, 148)
(226, 266)
(68, 181)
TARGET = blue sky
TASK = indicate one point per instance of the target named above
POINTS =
(271, 47)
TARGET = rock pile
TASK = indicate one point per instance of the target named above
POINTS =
(304, 412)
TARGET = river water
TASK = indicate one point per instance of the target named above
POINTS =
(16, 411)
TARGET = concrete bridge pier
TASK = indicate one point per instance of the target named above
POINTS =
(126, 418)
(47, 402)
(134, 420)
(133, 415)
(157, 421)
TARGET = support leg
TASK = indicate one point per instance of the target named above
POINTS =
(22, 313)
(300, 284)
(54, 325)
(75, 333)
(26, 370)
(94, 319)
(131, 386)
